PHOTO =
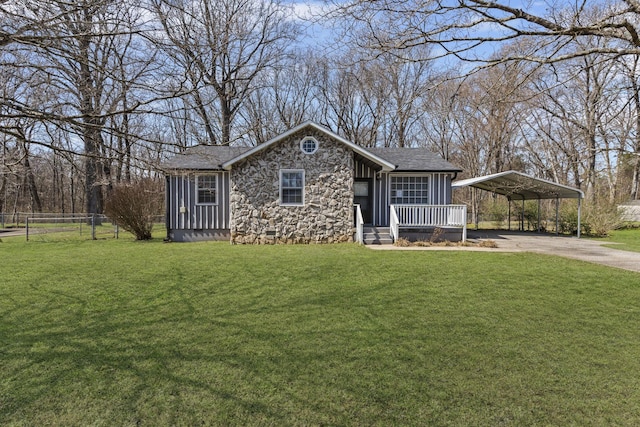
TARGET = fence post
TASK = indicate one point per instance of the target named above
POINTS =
(93, 227)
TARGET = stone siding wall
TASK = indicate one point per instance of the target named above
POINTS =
(327, 214)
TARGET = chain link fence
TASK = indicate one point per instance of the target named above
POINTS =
(59, 226)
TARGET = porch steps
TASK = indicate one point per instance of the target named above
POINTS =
(377, 236)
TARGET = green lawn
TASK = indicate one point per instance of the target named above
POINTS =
(627, 239)
(116, 332)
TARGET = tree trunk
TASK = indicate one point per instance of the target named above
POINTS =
(635, 186)
(36, 205)
(225, 112)
(91, 129)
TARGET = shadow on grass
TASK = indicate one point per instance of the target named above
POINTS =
(71, 357)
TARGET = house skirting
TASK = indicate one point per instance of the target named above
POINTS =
(439, 234)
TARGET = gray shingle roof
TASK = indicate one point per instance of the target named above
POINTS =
(414, 159)
(204, 157)
(211, 157)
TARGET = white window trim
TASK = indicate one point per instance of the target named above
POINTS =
(309, 138)
(409, 175)
(217, 188)
(280, 186)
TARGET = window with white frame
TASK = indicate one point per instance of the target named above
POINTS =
(292, 187)
(207, 189)
(409, 190)
(309, 145)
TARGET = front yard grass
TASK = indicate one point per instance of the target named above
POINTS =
(627, 239)
(145, 333)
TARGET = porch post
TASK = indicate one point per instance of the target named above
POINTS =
(464, 227)
(475, 207)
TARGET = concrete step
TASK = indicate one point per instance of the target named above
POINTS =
(377, 236)
(378, 241)
(370, 229)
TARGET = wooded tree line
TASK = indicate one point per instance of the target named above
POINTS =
(98, 92)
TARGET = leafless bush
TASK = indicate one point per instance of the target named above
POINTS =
(598, 219)
(487, 244)
(402, 242)
(133, 206)
(438, 235)
(602, 218)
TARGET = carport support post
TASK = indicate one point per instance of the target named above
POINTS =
(557, 224)
(522, 216)
(509, 215)
(579, 213)
(538, 214)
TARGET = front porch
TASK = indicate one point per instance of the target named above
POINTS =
(417, 222)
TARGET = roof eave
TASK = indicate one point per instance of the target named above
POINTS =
(187, 169)
(427, 170)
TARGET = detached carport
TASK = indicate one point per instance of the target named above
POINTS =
(520, 186)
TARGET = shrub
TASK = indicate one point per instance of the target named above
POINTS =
(598, 219)
(134, 206)
(568, 221)
(402, 242)
(499, 213)
(487, 243)
(602, 219)
(438, 235)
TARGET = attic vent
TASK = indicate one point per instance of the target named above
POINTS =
(309, 145)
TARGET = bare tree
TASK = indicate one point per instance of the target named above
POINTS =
(578, 101)
(459, 28)
(351, 104)
(631, 146)
(284, 97)
(223, 46)
(71, 54)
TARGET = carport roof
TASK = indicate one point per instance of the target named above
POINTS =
(520, 186)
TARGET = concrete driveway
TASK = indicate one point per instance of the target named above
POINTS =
(565, 246)
(10, 232)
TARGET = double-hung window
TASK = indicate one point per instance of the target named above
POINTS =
(207, 189)
(409, 190)
(292, 187)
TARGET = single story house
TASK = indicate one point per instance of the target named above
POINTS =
(309, 185)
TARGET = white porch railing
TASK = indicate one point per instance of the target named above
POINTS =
(419, 216)
(359, 224)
